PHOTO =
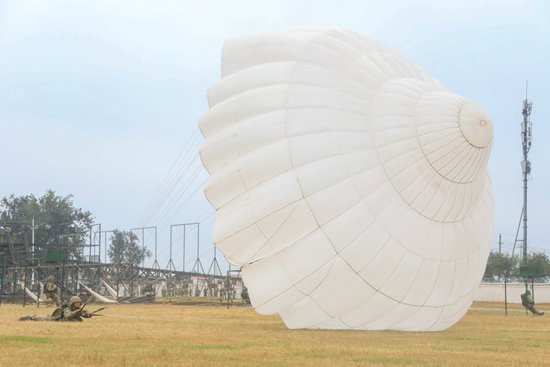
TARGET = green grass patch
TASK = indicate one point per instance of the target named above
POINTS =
(25, 339)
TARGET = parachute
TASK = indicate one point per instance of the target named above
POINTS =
(349, 184)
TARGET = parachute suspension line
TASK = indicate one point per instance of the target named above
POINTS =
(169, 190)
(207, 213)
(167, 206)
(172, 175)
(168, 181)
(165, 180)
(177, 177)
(173, 208)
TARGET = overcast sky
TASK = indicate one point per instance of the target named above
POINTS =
(100, 99)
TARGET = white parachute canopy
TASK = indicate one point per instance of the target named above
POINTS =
(349, 184)
(97, 296)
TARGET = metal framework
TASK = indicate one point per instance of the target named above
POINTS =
(23, 270)
(526, 141)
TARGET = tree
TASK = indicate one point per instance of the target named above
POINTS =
(57, 221)
(124, 249)
(499, 264)
(540, 262)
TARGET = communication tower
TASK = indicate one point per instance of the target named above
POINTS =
(526, 140)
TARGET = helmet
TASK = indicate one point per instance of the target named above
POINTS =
(74, 299)
(51, 278)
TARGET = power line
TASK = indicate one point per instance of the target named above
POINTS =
(173, 206)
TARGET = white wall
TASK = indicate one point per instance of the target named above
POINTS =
(494, 292)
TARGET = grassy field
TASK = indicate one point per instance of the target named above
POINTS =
(189, 335)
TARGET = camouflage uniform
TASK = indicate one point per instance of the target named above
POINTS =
(72, 313)
(245, 297)
(37, 318)
(55, 316)
(50, 290)
(67, 312)
(527, 302)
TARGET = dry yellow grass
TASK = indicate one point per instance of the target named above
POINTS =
(170, 335)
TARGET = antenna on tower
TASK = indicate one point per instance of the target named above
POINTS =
(526, 141)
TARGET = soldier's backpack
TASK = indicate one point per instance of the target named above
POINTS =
(58, 313)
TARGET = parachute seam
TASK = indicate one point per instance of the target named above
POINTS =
(458, 151)
(440, 265)
(460, 126)
(293, 285)
(314, 40)
(466, 170)
(435, 193)
(317, 287)
(228, 102)
(480, 158)
(338, 253)
(268, 238)
(455, 148)
(331, 219)
(420, 143)
(433, 168)
(382, 163)
(451, 209)
(278, 141)
(304, 197)
(445, 187)
(464, 206)
(449, 152)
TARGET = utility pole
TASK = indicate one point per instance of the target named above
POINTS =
(526, 139)
(32, 237)
(499, 243)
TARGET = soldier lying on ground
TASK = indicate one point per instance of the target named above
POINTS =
(527, 302)
(74, 311)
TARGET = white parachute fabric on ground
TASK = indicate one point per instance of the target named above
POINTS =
(32, 295)
(349, 184)
(111, 291)
(98, 297)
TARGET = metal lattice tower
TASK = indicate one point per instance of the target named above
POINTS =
(526, 140)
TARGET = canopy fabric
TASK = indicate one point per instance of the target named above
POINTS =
(110, 289)
(98, 297)
(350, 185)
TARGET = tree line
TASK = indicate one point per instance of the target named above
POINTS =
(59, 224)
(500, 264)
